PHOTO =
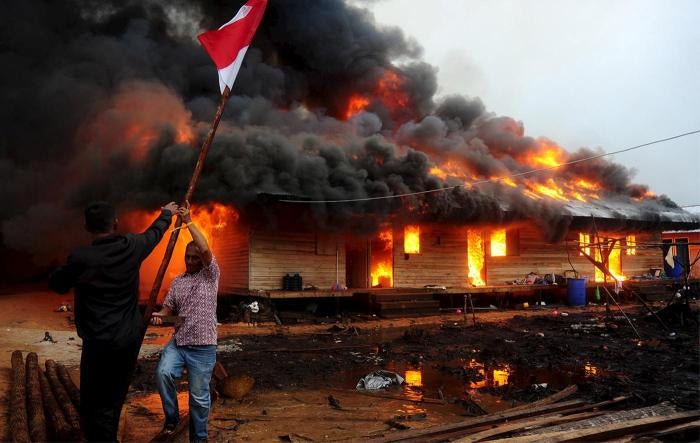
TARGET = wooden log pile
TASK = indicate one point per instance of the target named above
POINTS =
(43, 404)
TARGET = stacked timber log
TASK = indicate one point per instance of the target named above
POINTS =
(18, 400)
(553, 420)
(43, 404)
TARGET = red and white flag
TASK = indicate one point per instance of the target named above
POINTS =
(228, 44)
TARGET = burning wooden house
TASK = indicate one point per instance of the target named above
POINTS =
(274, 248)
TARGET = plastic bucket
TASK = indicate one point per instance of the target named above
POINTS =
(576, 291)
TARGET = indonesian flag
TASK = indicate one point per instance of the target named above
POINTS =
(228, 44)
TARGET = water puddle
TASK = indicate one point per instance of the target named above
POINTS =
(470, 380)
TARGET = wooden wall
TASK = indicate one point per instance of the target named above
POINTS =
(274, 254)
(536, 255)
(442, 259)
(232, 254)
(645, 257)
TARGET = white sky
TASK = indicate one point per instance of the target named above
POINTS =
(596, 73)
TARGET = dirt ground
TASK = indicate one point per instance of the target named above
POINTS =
(305, 374)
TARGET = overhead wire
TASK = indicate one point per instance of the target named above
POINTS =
(479, 182)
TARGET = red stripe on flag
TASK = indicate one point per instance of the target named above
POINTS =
(223, 44)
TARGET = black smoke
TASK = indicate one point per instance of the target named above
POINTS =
(96, 94)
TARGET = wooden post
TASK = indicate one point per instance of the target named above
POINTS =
(178, 223)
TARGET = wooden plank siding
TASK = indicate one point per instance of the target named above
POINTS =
(536, 255)
(645, 257)
(442, 259)
(232, 253)
(274, 254)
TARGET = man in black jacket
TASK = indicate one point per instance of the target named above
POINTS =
(105, 276)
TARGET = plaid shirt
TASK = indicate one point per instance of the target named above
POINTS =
(193, 296)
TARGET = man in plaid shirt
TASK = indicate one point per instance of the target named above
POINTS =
(192, 295)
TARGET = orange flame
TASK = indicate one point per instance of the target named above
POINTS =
(210, 219)
(498, 243)
(382, 272)
(584, 239)
(551, 189)
(475, 258)
(631, 241)
(547, 154)
(411, 239)
(356, 104)
(614, 263)
(390, 90)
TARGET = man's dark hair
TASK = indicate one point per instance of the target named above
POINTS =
(99, 217)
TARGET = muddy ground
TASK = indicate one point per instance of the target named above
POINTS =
(305, 374)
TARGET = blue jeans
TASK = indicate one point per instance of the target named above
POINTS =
(199, 361)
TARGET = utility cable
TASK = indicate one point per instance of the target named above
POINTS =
(519, 174)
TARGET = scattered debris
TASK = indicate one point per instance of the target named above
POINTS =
(48, 338)
(334, 402)
(64, 307)
(379, 380)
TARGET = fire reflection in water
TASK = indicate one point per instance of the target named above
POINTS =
(414, 377)
(589, 370)
(490, 378)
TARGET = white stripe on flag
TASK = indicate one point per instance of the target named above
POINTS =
(228, 74)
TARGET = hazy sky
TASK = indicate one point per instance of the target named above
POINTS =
(607, 73)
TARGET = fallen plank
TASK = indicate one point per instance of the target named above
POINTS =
(613, 430)
(530, 423)
(484, 420)
(602, 404)
(675, 429)
(621, 416)
(564, 393)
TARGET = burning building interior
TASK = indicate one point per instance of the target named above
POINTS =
(336, 163)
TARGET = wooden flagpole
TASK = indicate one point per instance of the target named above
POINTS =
(178, 223)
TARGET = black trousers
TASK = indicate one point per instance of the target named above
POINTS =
(105, 373)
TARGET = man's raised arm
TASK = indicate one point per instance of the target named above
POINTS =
(199, 240)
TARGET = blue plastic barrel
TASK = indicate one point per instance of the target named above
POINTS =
(576, 291)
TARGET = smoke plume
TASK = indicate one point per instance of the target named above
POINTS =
(110, 100)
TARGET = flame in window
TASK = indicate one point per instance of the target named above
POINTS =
(498, 243)
(411, 239)
(584, 239)
(631, 245)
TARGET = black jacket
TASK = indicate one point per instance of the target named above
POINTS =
(106, 280)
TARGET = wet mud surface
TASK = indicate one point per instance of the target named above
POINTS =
(516, 360)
